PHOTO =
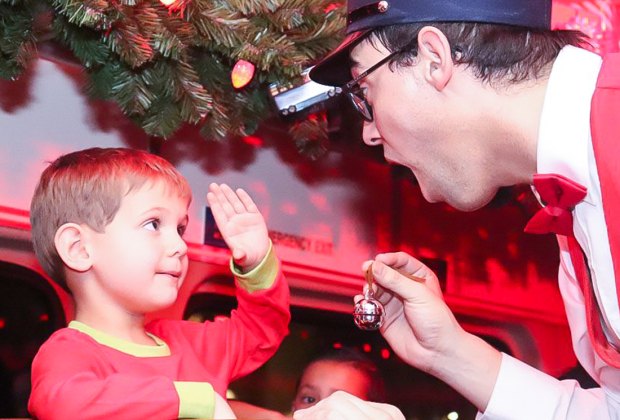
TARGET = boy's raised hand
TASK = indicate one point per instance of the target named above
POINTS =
(241, 224)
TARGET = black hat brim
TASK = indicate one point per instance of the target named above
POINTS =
(334, 69)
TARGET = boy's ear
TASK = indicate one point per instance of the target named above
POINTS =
(72, 248)
(435, 57)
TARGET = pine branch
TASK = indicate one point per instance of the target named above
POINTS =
(85, 43)
(173, 36)
(311, 135)
(129, 43)
(166, 66)
(163, 118)
(131, 90)
(17, 39)
(189, 93)
(218, 26)
(217, 125)
(88, 13)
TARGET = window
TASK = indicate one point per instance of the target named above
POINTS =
(418, 395)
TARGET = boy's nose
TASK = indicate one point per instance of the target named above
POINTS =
(178, 246)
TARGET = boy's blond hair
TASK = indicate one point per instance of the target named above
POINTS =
(87, 187)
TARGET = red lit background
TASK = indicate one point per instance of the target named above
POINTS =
(325, 216)
(599, 19)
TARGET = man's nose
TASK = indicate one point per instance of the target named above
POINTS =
(370, 134)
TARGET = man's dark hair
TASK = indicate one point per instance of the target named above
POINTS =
(495, 53)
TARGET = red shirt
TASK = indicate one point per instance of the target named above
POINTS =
(74, 376)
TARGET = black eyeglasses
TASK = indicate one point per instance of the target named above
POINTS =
(356, 94)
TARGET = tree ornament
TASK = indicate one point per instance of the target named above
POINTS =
(368, 313)
(242, 73)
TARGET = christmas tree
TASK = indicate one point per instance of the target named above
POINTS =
(169, 62)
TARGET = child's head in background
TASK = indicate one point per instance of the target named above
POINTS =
(342, 369)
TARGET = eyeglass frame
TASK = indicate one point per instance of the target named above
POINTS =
(352, 88)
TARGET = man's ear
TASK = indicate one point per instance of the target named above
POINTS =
(71, 245)
(435, 56)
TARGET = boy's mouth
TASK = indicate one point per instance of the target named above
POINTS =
(173, 274)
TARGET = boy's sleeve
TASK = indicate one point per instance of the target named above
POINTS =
(260, 322)
(262, 276)
(70, 381)
(196, 400)
(236, 346)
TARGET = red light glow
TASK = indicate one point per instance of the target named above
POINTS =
(253, 141)
(385, 354)
(332, 6)
(319, 201)
(289, 208)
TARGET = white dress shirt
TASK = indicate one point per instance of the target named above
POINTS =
(565, 147)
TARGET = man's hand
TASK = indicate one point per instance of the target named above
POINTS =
(241, 224)
(418, 323)
(422, 330)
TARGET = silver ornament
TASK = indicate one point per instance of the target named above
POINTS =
(369, 313)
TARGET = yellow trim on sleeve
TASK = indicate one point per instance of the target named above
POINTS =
(196, 400)
(260, 277)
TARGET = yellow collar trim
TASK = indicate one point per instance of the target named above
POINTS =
(138, 350)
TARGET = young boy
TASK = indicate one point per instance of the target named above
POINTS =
(107, 225)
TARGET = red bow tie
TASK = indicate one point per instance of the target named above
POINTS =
(559, 196)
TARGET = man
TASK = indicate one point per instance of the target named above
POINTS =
(473, 95)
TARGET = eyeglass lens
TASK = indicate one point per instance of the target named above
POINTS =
(361, 105)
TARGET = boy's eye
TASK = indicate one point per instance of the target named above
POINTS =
(308, 400)
(152, 224)
(181, 229)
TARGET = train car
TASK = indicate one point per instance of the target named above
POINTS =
(325, 216)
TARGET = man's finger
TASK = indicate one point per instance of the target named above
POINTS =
(406, 286)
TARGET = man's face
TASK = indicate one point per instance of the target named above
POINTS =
(433, 130)
(140, 260)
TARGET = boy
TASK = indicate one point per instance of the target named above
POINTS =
(107, 225)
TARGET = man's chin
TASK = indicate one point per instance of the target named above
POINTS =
(466, 207)
(429, 196)
(469, 203)
(460, 203)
